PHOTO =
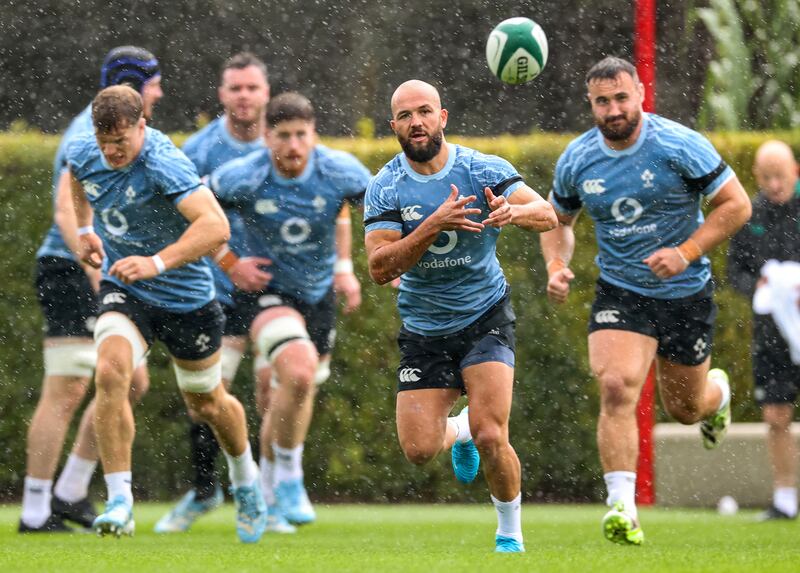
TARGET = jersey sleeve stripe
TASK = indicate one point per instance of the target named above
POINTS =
(501, 187)
(698, 184)
(386, 216)
(565, 204)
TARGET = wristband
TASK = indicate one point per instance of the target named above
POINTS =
(226, 260)
(343, 220)
(554, 265)
(85, 230)
(343, 266)
(159, 263)
(689, 251)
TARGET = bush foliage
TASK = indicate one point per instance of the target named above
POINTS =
(352, 452)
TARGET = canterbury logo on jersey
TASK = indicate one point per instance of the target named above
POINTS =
(607, 316)
(410, 213)
(409, 375)
(593, 186)
(114, 298)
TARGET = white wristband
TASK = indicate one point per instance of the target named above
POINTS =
(159, 263)
(343, 266)
(85, 230)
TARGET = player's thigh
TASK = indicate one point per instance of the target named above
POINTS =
(620, 359)
(681, 383)
(421, 416)
(778, 416)
(233, 349)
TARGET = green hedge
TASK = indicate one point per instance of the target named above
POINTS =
(352, 453)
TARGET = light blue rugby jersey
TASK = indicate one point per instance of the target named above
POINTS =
(292, 221)
(53, 244)
(642, 199)
(210, 148)
(135, 213)
(459, 277)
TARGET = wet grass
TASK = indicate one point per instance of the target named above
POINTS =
(424, 538)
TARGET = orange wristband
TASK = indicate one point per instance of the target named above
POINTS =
(690, 250)
(554, 265)
(227, 260)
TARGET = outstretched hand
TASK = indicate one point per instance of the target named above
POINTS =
(452, 214)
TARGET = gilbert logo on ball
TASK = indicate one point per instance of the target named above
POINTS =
(516, 50)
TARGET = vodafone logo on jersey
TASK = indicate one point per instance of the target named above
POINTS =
(452, 240)
(295, 230)
(626, 210)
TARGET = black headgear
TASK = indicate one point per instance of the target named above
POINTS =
(129, 65)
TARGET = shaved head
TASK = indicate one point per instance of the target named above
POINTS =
(776, 171)
(418, 121)
(415, 90)
(774, 150)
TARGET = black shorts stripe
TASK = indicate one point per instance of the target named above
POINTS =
(390, 216)
(698, 184)
(501, 187)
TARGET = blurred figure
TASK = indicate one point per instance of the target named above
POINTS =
(290, 197)
(67, 292)
(642, 179)
(773, 233)
(239, 131)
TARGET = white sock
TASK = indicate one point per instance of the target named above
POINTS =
(36, 501)
(242, 469)
(622, 487)
(461, 425)
(288, 463)
(267, 467)
(509, 517)
(73, 483)
(785, 499)
(724, 388)
(119, 483)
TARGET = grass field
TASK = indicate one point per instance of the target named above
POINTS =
(424, 538)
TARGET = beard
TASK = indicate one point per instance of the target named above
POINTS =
(424, 153)
(621, 132)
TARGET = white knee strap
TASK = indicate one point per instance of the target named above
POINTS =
(279, 333)
(70, 359)
(230, 360)
(199, 381)
(116, 324)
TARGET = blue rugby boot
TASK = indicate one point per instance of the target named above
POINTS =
(504, 544)
(464, 455)
(277, 522)
(189, 508)
(117, 519)
(251, 512)
(294, 503)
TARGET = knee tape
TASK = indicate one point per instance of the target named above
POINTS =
(278, 333)
(116, 324)
(230, 360)
(68, 359)
(199, 381)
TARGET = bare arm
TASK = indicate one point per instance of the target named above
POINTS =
(731, 209)
(345, 282)
(90, 247)
(558, 245)
(208, 229)
(64, 213)
(390, 254)
(530, 211)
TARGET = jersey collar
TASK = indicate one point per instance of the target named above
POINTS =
(237, 144)
(441, 174)
(633, 148)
